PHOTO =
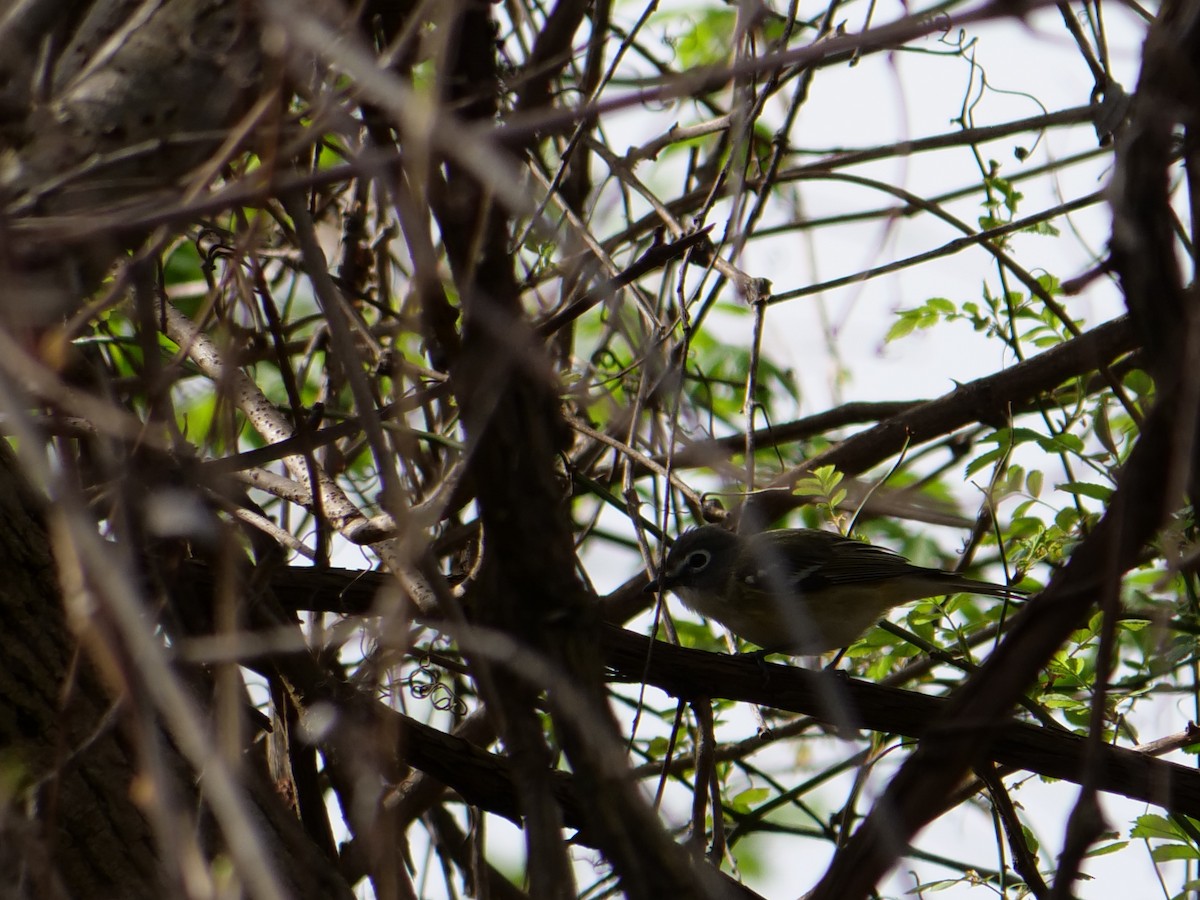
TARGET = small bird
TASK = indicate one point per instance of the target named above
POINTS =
(800, 590)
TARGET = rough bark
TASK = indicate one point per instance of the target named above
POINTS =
(103, 105)
(87, 788)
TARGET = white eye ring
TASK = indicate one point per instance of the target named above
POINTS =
(697, 560)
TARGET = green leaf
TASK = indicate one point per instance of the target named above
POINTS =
(984, 460)
(1103, 429)
(1138, 382)
(710, 40)
(1061, 443)
(1050, 284)
(1062, 701)
(1105, 849)
(930, 313)
(1006, 437)
(1033, 482)
(903, 326)
(749, 798)
(822, 483)
(1043, 228)
(1086, 489)
(1066, 519)
(1152, 826)
(183, 265)
(1168, 852)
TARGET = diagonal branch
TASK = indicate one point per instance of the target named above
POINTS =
(987, 399)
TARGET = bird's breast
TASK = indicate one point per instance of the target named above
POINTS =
(796, 622)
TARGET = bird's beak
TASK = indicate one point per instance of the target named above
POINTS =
(653, 587)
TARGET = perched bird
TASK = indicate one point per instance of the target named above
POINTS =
(800, 590)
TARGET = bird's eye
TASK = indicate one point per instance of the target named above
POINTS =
(697, 560)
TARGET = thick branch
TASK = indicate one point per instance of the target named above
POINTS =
(987, 399)
(691, 673)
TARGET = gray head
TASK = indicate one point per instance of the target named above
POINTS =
(701, 558)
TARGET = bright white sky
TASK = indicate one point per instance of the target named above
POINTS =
(907, 96)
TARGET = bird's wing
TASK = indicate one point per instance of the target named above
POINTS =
(798, 560)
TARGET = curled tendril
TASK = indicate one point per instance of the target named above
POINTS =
(424, 683)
